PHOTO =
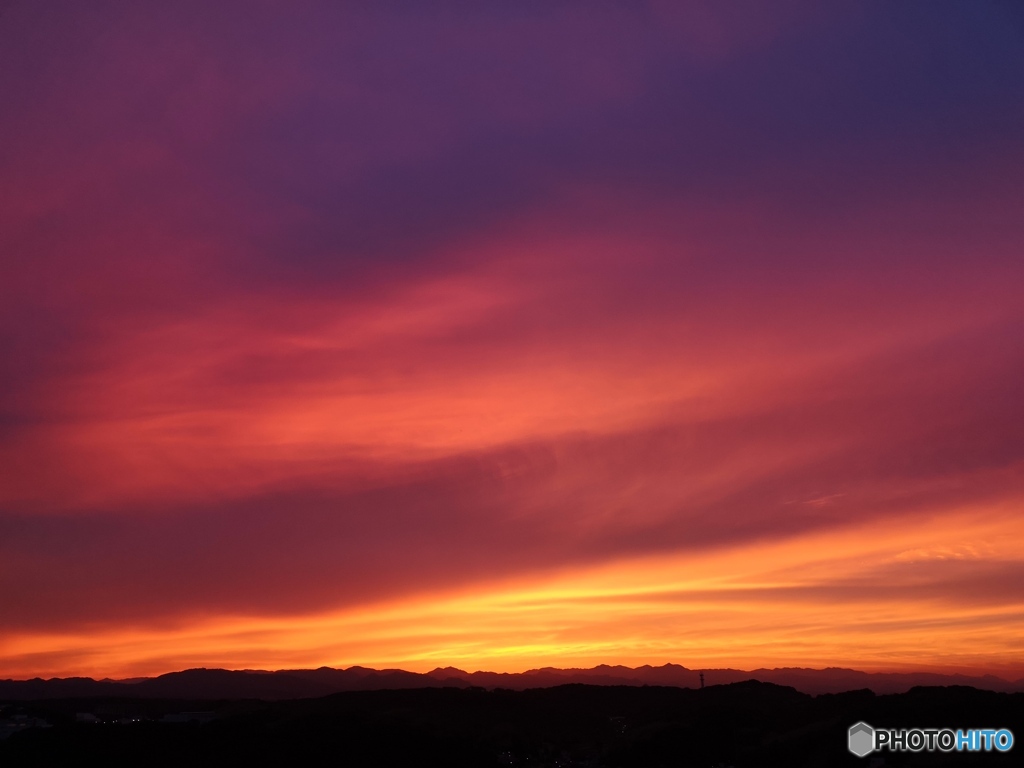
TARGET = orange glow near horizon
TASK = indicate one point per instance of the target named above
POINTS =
(872, 603)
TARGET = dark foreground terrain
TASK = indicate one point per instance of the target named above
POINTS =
(742, 724)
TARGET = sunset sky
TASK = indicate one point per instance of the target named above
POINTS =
(511, 334)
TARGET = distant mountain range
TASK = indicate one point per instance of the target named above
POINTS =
(308, 683)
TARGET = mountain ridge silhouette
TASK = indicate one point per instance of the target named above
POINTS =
(203, 683)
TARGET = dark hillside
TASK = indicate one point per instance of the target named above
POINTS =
(742, 724)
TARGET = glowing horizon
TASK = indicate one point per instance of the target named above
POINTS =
(711, 596)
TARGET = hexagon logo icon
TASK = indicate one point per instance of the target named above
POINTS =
(861, 739)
